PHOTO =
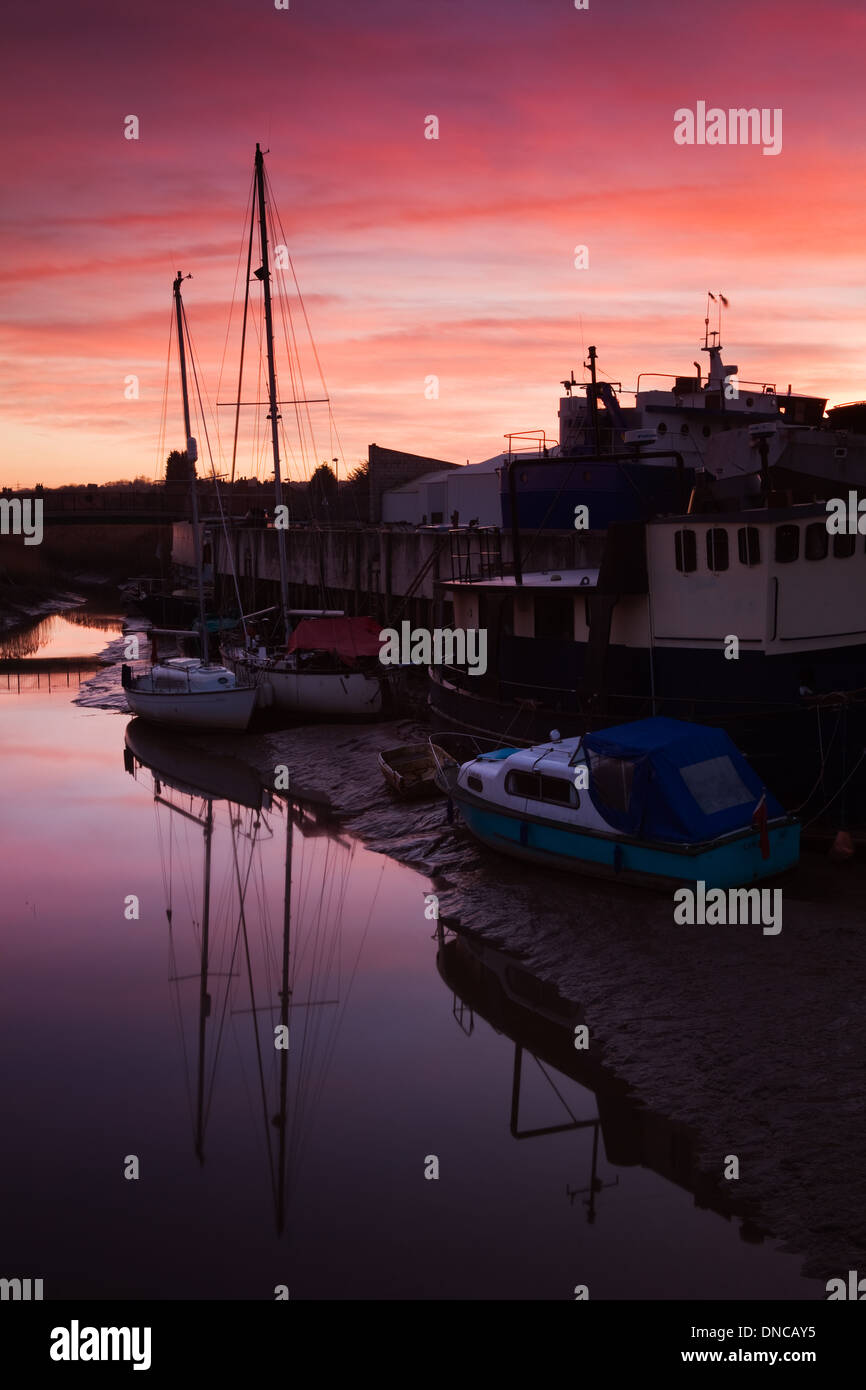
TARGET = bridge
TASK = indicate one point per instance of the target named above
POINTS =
(156, 506)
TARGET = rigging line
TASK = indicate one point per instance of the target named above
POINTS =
(242, 930)
(318, 977)
(552, 1085)
(317, 1082)
(172, 965)
(302, 304)
(242, 894)
(292, 355)
(172, 955)
(163, 419)
(243, 335)
(342, 1013)
(303, 393)
(838, 792)
(229, 547)
(824, 755)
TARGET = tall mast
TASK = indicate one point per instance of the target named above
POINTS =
(264, 275)
(192, 455)
(593, 400)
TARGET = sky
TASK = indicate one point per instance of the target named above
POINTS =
(451, 258)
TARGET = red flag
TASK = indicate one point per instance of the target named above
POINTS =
(759, 822)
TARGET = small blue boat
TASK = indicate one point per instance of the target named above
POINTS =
(657, 802)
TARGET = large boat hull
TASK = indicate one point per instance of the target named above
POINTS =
(206, 709)
(327, 694)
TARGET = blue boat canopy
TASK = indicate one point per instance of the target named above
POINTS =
(665, 779)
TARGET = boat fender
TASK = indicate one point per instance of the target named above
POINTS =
(266, 694)
(126, 676)
(617, 859)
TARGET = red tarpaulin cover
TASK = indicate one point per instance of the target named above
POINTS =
(350, 638)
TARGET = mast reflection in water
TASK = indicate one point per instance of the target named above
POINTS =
(253, 979)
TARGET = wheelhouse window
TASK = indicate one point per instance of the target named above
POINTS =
(787, 543)
(686, 551)
(843, 546)
(817, 541)
(717, 549)
(475, 784)
(749, 545)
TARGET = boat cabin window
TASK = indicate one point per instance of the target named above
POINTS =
(535, 787)
(612, 779)
(475, 784)
(717, 549)
(787, 543)
(843, 546)
(522, 784)
(749, 545)
(686, 550)
(817, 541)
(716, 785)
(556, 789)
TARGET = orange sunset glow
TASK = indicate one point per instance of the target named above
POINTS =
(453, 256)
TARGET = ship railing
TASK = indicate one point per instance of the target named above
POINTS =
(539, 439)
(764, 388)
(476, 552)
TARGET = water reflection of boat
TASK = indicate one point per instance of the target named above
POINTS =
(541, 1021)
(195, 771)
(238, 946)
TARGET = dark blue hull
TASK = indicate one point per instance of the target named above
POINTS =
(547, 493)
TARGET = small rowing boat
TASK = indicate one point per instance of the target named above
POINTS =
(410, 770)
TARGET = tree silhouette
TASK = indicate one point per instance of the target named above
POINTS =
(323, 486)
(177, 467)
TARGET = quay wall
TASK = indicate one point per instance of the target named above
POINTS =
(389, 572)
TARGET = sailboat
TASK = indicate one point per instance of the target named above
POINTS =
(190, 691)
(327, 664)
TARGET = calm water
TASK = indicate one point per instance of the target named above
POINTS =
(315, 1178)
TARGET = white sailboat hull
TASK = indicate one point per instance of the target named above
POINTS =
(185, 694)
(213, 709)
(329, 694)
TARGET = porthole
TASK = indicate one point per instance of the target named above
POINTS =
(706, 431)
(662, 429)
